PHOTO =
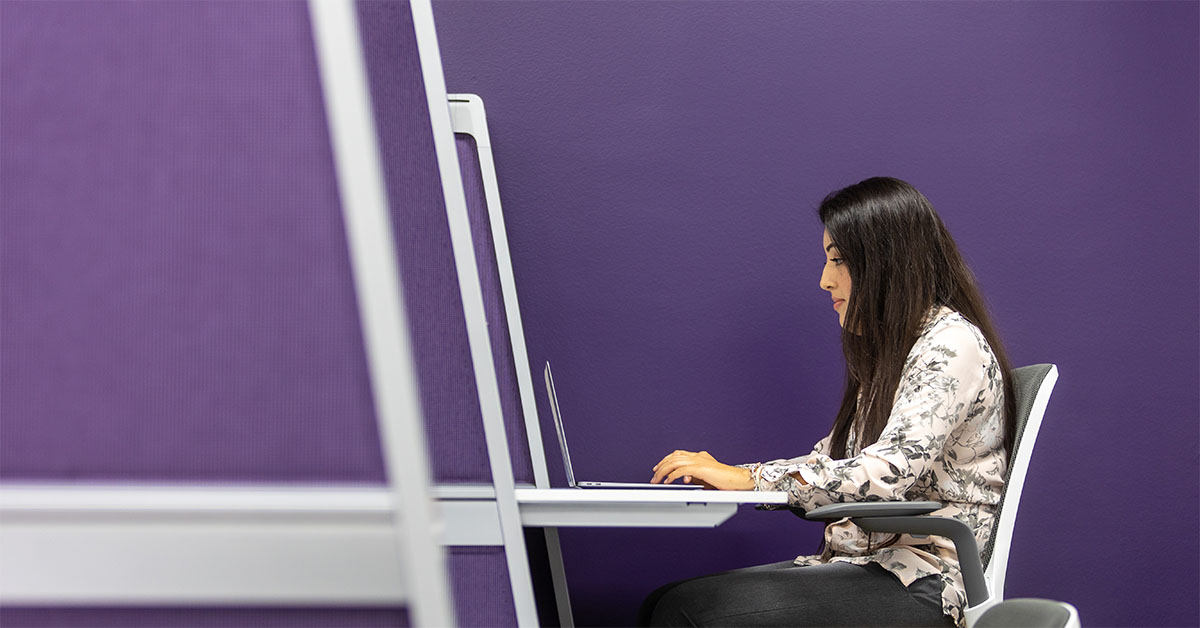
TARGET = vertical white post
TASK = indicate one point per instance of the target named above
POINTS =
(384, 323)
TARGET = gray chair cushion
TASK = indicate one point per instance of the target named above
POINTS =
(1026, 613)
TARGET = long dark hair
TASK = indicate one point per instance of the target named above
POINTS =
(902, 262)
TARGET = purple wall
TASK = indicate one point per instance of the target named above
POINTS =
(660, 164)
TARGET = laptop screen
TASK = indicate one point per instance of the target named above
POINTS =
(558, 426)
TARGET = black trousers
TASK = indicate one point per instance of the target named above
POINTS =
(782, 594)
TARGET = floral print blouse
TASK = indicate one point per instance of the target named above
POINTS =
(943, 442)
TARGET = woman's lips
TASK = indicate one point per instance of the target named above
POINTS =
(837, 302)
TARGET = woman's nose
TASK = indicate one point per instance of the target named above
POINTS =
(827, 281)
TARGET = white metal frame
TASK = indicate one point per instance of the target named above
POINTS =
(468, 116)
(998, 565)
(471, 291)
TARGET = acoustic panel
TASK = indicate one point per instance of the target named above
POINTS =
(174, 279)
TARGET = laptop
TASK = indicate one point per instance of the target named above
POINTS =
(562, 444)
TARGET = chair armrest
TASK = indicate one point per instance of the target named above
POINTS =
(913, 518)
(871, 509)
(956, 530)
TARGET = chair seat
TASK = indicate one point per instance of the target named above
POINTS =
(1027, 613)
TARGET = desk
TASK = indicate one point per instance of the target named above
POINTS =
(634, 508)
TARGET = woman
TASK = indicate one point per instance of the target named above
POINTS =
(927, 414)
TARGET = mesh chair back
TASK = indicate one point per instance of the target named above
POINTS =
(1026, 381)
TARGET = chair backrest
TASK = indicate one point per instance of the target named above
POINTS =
(1032, 386)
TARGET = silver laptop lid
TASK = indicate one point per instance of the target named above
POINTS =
(558, 426)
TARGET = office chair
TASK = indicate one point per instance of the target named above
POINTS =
(983, 575)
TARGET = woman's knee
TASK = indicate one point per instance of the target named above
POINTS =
(697, 602)
(673, 607)
(646, 610)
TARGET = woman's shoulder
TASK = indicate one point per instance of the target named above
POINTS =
(948, 332)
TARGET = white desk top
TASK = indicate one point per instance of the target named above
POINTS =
(634, 508)
(469, 509)
(645, 496)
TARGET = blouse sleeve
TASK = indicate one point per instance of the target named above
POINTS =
(937, 389)
(786, 483)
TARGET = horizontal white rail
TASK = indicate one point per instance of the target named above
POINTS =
(288, 545)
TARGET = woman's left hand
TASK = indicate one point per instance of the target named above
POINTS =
(701, 468)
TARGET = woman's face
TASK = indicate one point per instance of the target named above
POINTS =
(836, 279)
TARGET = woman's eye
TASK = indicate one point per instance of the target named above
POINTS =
(836, 260)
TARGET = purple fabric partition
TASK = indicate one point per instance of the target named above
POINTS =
(176, 290)
(177, 296)
(174, 279)
(660, 164)
(173, 249)
(479, 582)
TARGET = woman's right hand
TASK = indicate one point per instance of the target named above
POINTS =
(701, 468)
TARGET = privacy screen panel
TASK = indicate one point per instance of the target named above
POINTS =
(479, 581)
(174, 278)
